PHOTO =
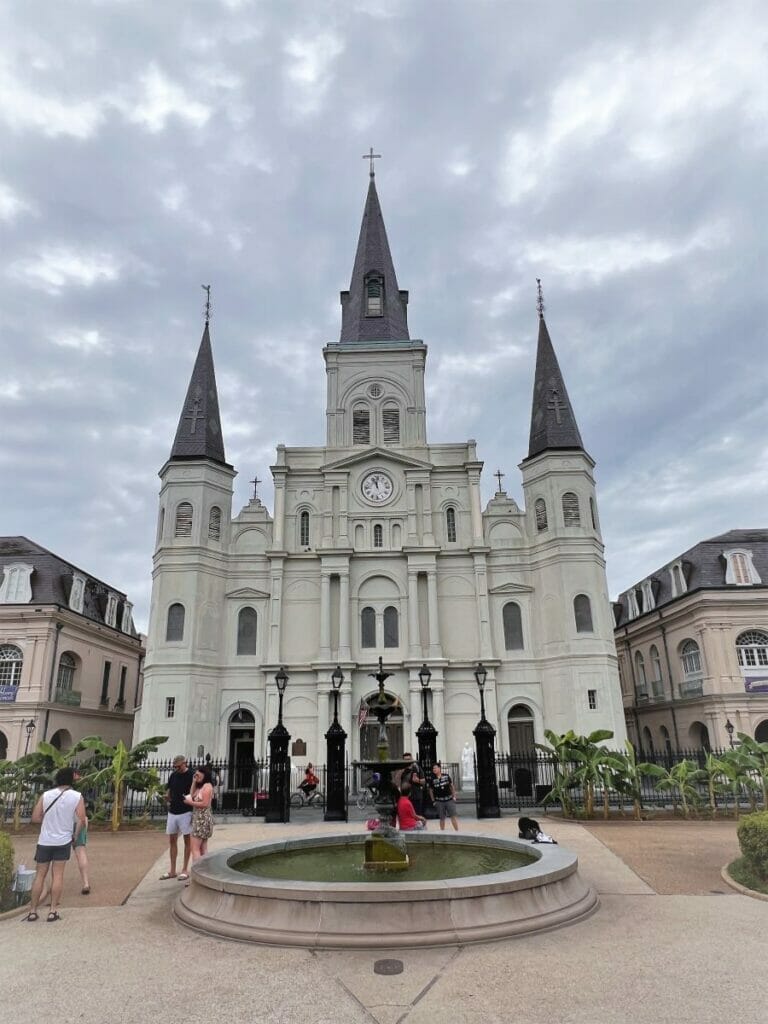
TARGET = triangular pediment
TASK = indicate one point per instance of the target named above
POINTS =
(249, 593)
(511, 588)
(378, 455)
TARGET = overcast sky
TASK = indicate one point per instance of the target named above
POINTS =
(616, 150)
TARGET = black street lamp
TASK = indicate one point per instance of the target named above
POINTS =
(729, 727)
(335, 762)
(30, 728)
(279, 803)
(487, 792)
(426, 735)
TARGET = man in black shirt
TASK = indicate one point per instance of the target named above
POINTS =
(444, 796)
(179, 815)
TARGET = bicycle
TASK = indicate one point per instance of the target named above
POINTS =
(366, 799)
(301, 799)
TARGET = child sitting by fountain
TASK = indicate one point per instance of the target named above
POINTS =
(407, 818)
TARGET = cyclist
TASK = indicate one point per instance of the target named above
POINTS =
(310, 781)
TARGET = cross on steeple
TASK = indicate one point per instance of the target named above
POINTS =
(555, 403)
(194, 414)
(255, 483)
(370, 155)
(207, 289)
(499, 475)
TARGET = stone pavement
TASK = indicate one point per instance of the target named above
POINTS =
(642, 958)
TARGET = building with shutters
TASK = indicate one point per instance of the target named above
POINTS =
(378, 545)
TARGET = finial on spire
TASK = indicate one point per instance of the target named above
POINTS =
(539, 299)
(255, 483)
(207, 289)
(370, 155)
(499, 476)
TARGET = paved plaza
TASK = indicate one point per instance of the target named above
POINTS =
(670, 942)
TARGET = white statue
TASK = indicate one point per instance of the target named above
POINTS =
(467, 764)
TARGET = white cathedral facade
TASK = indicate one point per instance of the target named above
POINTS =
(378, 545)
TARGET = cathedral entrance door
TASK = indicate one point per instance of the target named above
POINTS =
(522, 750)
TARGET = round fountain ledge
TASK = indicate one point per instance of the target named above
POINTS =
(547, 893)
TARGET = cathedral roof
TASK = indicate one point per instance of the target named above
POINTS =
(373, 259)
(199, 432)
(553, 424)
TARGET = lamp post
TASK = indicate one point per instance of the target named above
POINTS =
(729, 729)
(487, 793)
(426, 735)
(335, 775)
(278, 804)
(30, 728)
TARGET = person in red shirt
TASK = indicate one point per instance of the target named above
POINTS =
(407, 818)
(309, 785)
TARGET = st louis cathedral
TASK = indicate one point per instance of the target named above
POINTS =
(378, 545)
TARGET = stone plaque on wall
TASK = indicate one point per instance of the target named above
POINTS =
(298, 748)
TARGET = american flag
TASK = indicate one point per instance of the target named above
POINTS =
(362, 714)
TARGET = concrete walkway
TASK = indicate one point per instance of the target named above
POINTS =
(643, 958)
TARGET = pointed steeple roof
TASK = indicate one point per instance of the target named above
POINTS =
(553, 425)
(199, 432)
(373, 258)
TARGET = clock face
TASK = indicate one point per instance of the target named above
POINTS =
(377, 487)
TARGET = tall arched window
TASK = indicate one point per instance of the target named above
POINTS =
(391, 629)
(66, 673)
(592, 513)
(513, 627)
(183, 526)
(378, 536)
(640, 672)
(361, 425)
(304, 529)
(657, 680)
(752, 648)
(374, 296)
(540, 509)
(691, 659)
(368, 628)
(246, 631)
(174, 629)
(390, 424)
(214, 523)
(450, 525)
(666, 740)
(582, 610)
(11, 661)
(571, 513)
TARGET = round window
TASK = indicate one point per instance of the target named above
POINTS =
(375, 390)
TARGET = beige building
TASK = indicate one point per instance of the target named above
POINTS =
(70, 657)
(692, 641)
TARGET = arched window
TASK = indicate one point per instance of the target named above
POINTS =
(640, 672)
(304, 529)
(174, 629)
(378, 536)
(66, 674)
(450, 525)
(246, 631)
(666, 740)
(390, 424)
(540, 509)
(582, 610)
(374, 296)
(648, 740)
(214, 523)
(368, 628)
(183, 526)
(657, 680)
(691, 659)
(391, 630)
(513, 627)
(571, 513)
(752, 648)
(592, 513)
(11, 661)
(361, 425)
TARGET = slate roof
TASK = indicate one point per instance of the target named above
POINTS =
(704, 569)
(51, 579)
(373, 255)
(553, 424)
(198, 435)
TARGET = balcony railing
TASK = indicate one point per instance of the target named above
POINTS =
(692, 688)
(71, 697)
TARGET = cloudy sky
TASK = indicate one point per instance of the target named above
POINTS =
(616, 150)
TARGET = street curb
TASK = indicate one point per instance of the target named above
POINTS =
(741, 888)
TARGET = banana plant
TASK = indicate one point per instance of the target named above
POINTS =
(758, 753)
(559, 749)
(19, 779)
(629, 780)
(123, 770)
(739, 769)
(713, 770)
(595, 766)
(678, 780)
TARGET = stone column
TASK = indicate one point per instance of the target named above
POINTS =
(325, 616)
(477, 512)
(344, 617)
(275, 611)
(438, 716)
(412, 535)
(414, 641)
(323, 721)
(327, 541)
(483, 607)
(427, 526)
(344, 516)
(279, 526)
(435, 650)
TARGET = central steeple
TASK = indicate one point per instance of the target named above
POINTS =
(374, 309)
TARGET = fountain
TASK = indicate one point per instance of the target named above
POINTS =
(342, 891)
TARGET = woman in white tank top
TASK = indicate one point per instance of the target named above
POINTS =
(60, 812)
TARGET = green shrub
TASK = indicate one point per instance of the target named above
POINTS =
(6, 864)
(753, 840)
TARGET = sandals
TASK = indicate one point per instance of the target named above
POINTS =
(85, 891)
(183, 877)
(53, 916)
(31, 916)
(166, 874)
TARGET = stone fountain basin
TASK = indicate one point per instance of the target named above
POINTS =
(547, 893)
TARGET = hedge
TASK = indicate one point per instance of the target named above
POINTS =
(6, 864)
(753, 840)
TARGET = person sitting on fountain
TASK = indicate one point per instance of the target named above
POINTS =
(412, 776)
(309, 785)
(407, 818)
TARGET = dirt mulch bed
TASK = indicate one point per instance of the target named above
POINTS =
(673, 857)
(117, 863)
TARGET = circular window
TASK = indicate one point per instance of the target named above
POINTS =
(375, 390)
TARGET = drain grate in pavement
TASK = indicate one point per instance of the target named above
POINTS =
(388, 967)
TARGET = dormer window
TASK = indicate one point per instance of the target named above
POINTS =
(15, 587)
(632, 605)
(739, 568)
(648, 601)
(374, 297)
(679, 585)
(77, 593)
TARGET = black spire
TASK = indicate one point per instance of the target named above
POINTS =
(362, 317)
(553, 425)
(199, 433)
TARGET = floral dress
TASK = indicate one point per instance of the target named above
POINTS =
(202, 822)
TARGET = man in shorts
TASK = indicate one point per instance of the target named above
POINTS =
(444, 796)
(179, 815)
(59, 812)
